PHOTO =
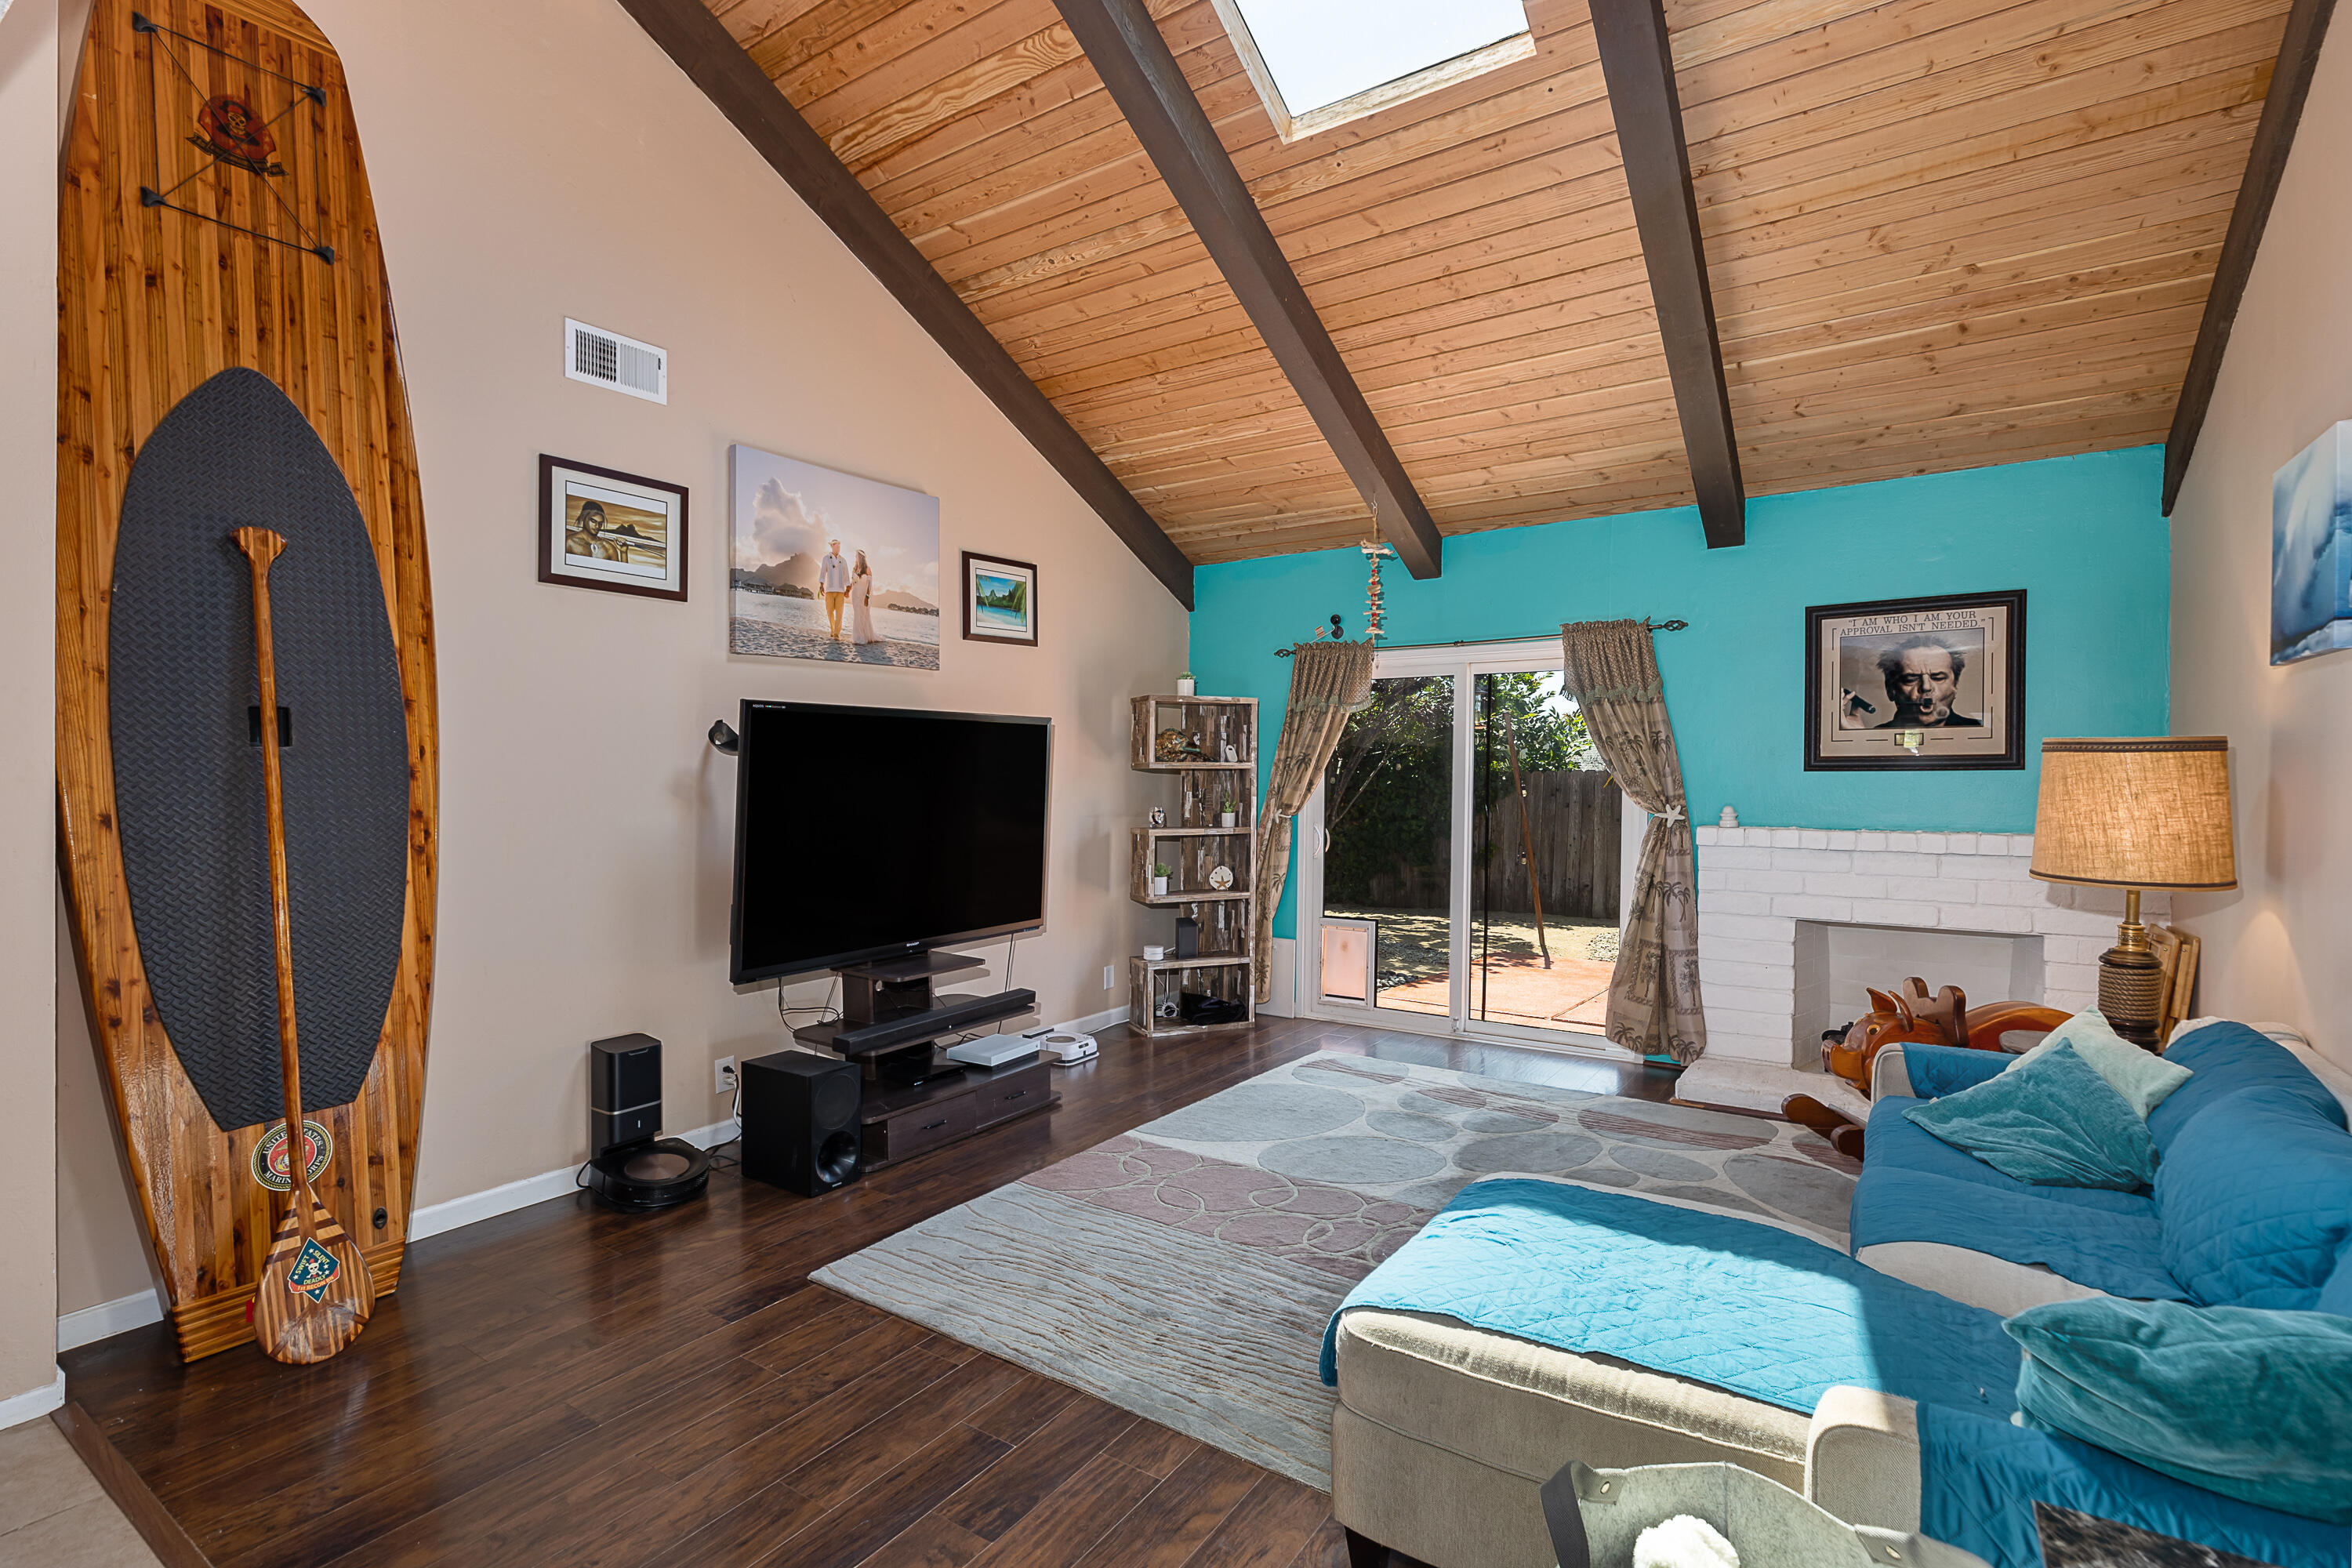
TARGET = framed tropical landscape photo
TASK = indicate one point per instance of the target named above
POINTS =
(1000, 600)
(600, 528)
(831, 566)
(1904, 684)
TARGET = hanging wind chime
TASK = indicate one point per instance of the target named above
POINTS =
(1376, 551)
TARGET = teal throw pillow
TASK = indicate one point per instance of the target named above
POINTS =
(2251, 1403)
(2142, 1078)
(2054, 1123)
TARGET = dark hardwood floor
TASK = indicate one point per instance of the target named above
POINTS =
(566, 1384)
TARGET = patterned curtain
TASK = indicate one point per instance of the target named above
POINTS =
(1611, 672)
(1329, 680)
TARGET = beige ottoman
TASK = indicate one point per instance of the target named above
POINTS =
(1444, 1435)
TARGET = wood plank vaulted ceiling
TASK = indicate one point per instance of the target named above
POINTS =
(1939, 234)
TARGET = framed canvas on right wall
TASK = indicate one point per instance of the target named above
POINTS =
(2311, 549)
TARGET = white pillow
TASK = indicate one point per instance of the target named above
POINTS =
(2142, 1078)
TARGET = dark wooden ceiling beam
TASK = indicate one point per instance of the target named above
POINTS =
(1124, 45)
(2298, 56)
(713, 61)
(1640, 70)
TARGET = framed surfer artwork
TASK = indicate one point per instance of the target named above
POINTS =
(1905, 684)
(600, 528)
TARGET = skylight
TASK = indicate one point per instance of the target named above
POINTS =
(1320, 54)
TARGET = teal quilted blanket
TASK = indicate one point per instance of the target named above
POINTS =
(1980, 1478)
(1723, 1300)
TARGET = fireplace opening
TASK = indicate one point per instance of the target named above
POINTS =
(1836, 963)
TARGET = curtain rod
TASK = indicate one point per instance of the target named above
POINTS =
(1485, 642)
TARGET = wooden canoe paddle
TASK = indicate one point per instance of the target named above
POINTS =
(316, 1292)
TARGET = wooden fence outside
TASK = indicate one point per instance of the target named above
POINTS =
(1577, 818)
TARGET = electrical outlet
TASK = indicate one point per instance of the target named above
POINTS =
(722, 1076)
(1109, 978)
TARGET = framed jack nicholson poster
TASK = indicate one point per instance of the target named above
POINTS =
(1906, 684)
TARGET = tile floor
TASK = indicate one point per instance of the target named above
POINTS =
(52, 1512)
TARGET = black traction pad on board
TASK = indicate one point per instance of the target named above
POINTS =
(182, 685)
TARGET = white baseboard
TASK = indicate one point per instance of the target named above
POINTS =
(34, 1403)
(92, 1323)
(1094, 1022)
(434, 1218)
(127, 1312)
(109, 1318)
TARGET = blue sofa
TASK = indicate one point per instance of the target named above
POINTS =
(1484, 1352)
(2252, 1206)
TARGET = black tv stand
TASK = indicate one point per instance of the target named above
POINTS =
(911, 1066)
(890, 1015)
(914, 1097)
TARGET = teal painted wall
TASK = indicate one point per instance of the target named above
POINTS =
(2081, 535)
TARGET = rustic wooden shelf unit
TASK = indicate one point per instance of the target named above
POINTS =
(1193, 843)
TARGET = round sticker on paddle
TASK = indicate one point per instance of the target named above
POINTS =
(269, 1166)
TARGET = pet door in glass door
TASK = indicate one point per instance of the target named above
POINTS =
(1388, 850)
(1348, 950)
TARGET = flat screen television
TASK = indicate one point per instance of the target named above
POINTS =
(868, 833)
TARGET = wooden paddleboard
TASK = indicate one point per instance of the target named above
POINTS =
(227, 359)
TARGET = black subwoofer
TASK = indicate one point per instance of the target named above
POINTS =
(799, 1121)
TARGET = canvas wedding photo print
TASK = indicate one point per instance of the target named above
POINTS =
(831, 566)
(1916, 683)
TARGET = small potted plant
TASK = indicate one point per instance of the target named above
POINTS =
(1225, 814)
(1158, 880)
(1185, 687)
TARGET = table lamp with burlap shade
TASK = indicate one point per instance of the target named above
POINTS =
(2133, 813)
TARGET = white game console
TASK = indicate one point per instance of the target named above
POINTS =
(993, 1050)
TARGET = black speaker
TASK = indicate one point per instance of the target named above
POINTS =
(799, 1121)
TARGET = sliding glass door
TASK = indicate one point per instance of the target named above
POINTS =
(1544, 856)
(1388, 855)
(1460, 867)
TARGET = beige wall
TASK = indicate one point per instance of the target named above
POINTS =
(102, 1252)
(28, 265)
(538, 159)
(2275, 948)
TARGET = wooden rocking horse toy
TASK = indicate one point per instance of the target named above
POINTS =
(1908, 1017)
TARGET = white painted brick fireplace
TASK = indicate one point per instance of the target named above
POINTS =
(1790, 919)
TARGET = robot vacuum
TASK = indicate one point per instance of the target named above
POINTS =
(653, 1174)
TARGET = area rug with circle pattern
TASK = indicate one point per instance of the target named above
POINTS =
(1185, 1270)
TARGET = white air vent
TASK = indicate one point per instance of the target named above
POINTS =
(607, 359)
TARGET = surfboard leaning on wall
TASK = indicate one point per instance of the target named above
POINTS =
(227, 358)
